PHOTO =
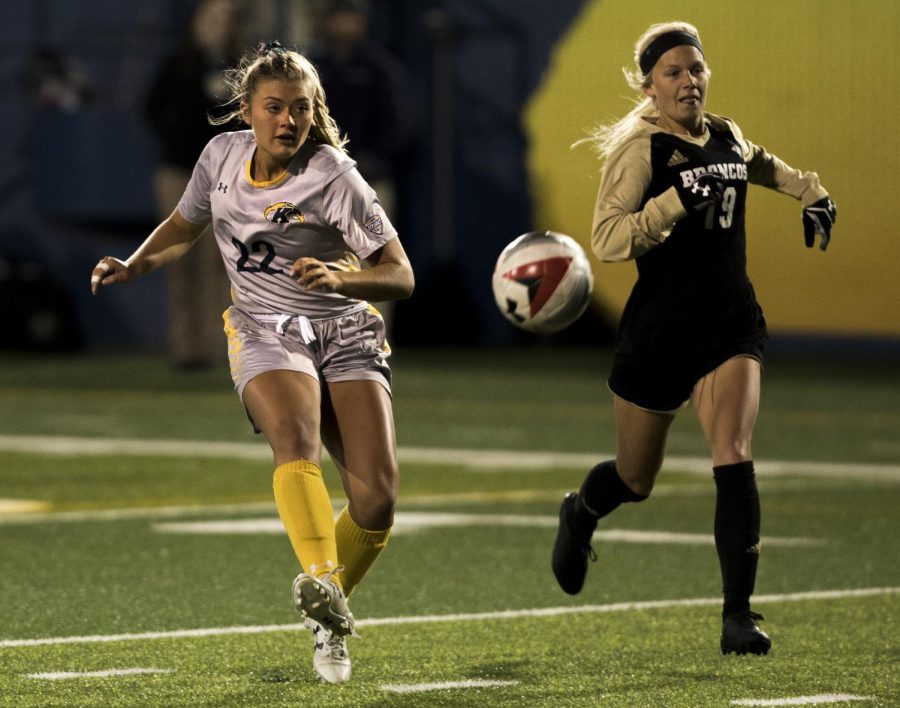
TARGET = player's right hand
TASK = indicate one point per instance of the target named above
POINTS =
(706, 189)
(109, 271)
(313, 274)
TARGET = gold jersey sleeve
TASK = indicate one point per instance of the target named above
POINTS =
(769, 171)
(621, 228)
(626, 226)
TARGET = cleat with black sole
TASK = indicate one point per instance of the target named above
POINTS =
(741, 634)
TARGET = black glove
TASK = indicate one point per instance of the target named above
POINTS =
(705, 190)
(817, 219)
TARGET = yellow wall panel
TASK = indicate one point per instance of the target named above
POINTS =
(813, 81)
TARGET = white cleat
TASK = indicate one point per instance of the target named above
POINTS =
(330, 659)
(322, 601)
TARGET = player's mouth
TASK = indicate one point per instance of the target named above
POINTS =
(691, 100)
(286, 139)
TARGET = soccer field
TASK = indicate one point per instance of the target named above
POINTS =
(143, 563)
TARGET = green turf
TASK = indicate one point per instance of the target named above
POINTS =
(540, 399)
(64, 576)
(640, 658)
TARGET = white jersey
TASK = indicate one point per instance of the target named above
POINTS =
(320, 208)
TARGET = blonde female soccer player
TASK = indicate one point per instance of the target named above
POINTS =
(672, 197)
(293, 218)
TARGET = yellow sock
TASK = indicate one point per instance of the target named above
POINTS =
(357, 549)
(305, 510)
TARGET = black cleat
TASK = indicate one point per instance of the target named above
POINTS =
(571, 552)
(741, 634)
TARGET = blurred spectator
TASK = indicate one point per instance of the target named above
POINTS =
(57, 82)
(369, 94)
(190, 84)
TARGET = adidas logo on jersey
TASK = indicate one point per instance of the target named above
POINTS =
(676, 159)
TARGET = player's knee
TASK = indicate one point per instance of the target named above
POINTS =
(374, 503)
(639, 492)
(638, 482)
(731, 451)
(383, 500)
(293, 439)
(373, 515)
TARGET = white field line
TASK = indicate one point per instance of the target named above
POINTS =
(459, 617)
(22, 506)
(24, 511)
(820, 699)
(410, 522)
(404, 522)
(59, 445)
(32, 514)
(470, 458)
(144, 512)
(62, 675)
(443, 685)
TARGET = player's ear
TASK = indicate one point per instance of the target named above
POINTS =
(245, 112)
(649, 91)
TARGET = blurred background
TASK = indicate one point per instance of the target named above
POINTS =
(462, 114)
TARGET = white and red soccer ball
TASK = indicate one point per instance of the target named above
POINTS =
(542, 281)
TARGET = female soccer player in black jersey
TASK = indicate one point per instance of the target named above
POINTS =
(672, 197)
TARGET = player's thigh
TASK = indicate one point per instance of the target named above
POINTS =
(726, 401)
(286, 407)
(358, 429)
(640, 443)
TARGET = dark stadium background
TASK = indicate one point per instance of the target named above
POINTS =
(492, 158)
(76, 184)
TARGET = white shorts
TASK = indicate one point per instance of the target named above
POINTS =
(349, 347)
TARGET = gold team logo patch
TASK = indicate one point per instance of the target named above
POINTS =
(283, 213)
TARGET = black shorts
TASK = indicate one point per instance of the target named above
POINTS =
(664, 381)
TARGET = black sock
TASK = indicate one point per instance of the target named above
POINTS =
(737, 526)
(601, 492)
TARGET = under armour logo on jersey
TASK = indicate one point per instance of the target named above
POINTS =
(700, 189)
(676, 159)
(223, 188)
(283, 213)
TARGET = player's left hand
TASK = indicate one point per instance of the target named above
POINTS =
(817, 219)
(315, 275)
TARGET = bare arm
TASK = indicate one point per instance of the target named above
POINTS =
(390, 276)
(168, 242)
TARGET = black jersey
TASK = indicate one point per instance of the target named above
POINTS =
(693, 306)
(692, 288)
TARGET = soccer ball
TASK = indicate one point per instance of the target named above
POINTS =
(542, 281)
